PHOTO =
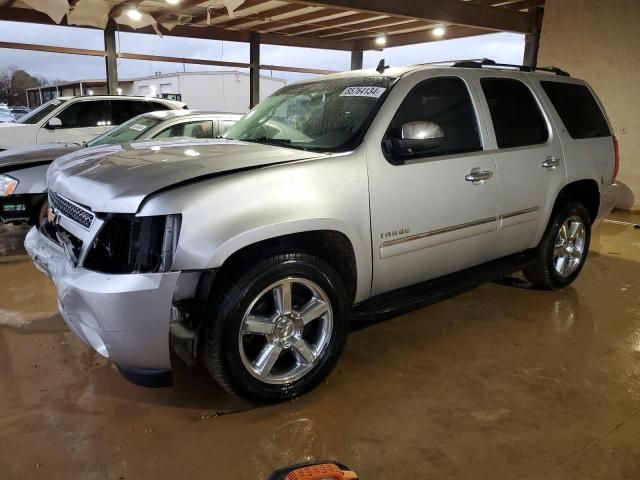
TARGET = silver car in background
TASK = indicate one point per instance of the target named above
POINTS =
(23, 170)
(361, 194)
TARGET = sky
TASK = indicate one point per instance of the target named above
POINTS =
(502, 47)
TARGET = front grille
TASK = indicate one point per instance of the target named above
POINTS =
(71, 210)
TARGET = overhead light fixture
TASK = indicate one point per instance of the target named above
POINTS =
(90, 92)
(119, 90)
(173, 2)
(134, 14)
(438, 32)
(381, 40)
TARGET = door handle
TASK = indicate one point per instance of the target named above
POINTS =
(551, 162)
(478, 176)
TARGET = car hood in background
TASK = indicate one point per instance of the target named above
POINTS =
(23, 156)
(118, 179)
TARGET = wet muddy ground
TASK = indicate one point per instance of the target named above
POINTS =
(499, 382)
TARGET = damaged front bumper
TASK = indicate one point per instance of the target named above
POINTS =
(124, 317)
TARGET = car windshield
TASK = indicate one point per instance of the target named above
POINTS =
(42, 111)
(325, 115)
(128, 131)
(5, 114)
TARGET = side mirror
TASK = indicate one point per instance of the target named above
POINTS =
(417, 137)
(54, 123)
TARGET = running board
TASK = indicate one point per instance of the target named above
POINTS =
(416, 296)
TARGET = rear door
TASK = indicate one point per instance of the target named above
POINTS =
(528, 154)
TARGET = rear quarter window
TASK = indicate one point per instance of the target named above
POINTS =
(577, 109)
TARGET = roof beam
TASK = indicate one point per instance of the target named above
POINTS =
(374, 27)
(216, 10)
(308, 26)
(263, 16)
(417, 37)
(444, 11)
(394, 30)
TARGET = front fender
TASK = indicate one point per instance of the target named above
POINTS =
(223, 215)
(361, 248)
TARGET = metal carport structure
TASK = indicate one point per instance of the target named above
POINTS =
(346, 25)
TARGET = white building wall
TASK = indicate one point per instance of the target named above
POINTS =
(217, 91)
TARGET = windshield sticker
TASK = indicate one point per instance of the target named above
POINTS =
(374, 92)
(137, 127)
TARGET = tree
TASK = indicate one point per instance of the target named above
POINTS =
(14, 83)
(6, 75)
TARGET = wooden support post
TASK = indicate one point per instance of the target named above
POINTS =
(254, 69)
(111, 57)
(532, 40)
(356, 60)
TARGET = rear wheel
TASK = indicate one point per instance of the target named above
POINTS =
(563, 249)
(278, 329)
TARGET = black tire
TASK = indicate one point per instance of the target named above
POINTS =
(541, 272)
(221, 351)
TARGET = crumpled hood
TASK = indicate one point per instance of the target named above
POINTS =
(23, 156)
(116, 179)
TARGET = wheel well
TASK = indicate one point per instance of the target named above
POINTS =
(331, 246)
(583, 191)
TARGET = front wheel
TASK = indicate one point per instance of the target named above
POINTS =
(278, 329)
(563, 249)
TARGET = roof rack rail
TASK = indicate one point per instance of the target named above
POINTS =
(492, 63)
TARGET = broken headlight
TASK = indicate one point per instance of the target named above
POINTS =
(130, 244)
(7, 185)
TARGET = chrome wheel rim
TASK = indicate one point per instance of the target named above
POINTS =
(568, 250)
(285, 331)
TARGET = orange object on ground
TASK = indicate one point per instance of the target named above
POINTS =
(321, 472)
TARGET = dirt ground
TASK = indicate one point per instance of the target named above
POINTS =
(501, 382)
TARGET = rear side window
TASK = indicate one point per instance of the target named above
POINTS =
(517, 119)
(446, 102)
(198, 129)
(578, 110)
(123, 110)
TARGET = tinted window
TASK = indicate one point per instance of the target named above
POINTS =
(578, 110)
(199, 129)
(83, 114)
(444, 101)
(516, 117)
(123, 110)
(155, 106)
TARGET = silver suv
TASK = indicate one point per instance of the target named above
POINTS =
(359, 194)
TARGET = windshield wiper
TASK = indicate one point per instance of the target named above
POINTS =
(270, 141)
